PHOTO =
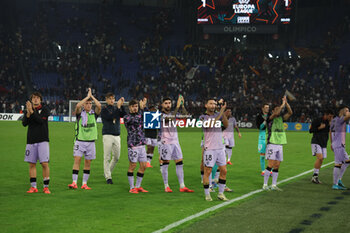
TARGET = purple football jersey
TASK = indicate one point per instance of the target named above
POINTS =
(213, 137)
(228, 132)
(134, 125)
(168, 131)
(338, 129)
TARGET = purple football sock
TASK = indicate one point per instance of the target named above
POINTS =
(274, 177)
(180, 173)
(266, 176)
(86, 176)
(139, 178)
(222, 185)
(206, 190)
(131, 179)
(165, 173)
(336, 172)
(342, 170)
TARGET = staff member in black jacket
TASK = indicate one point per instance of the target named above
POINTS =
(36, 118)
(320, 129)
(111, 130)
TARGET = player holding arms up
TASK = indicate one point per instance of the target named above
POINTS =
(341, 158)
(320, 130)
(37, 148)
(110, 133)
(214, 150)
(136, 144)
(169, 147)
(276, 138)
(261, 124)
(86, 134)
(229, 135)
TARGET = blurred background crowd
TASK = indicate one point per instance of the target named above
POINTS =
(61, 48)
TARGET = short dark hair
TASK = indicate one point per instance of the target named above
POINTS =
(38, 94)
(165, 99)
(90, 99)
(209, 98)
(229, 107)
(133, 102)
(341, 107)
(109, 94)
(263, 105)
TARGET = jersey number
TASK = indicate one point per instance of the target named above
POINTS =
(164, 151)
(132, 154)
(208, 157)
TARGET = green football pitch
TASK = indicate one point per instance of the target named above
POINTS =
(111, 208)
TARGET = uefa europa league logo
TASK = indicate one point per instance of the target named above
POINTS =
(243, 1)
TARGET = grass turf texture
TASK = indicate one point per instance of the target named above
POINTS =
(301, 207)
(111, 208)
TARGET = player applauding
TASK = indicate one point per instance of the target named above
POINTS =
(86, 134)
(276, 138)
(169, 147)
(136, 144)
(229, 135)
(36, 117)
(214, 150)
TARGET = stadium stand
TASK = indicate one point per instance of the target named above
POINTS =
(141, 51)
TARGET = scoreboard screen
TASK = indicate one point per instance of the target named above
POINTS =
(240, 12)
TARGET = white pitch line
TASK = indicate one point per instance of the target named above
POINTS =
(189, 218)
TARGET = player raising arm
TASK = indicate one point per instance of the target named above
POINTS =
(276, 138)
(110, 134)
(229, 134)
(37, 148)
(86, 134)
(214, 150)
(169, 147)
(136, 144)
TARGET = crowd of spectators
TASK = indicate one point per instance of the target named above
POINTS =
(248, 78)
(149, 52)
(244, 78)
(12, 86)
(75, 62)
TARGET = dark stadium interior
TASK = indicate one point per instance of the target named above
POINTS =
(157, 49)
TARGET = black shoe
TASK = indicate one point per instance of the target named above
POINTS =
(109, 181)
(315, 180)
